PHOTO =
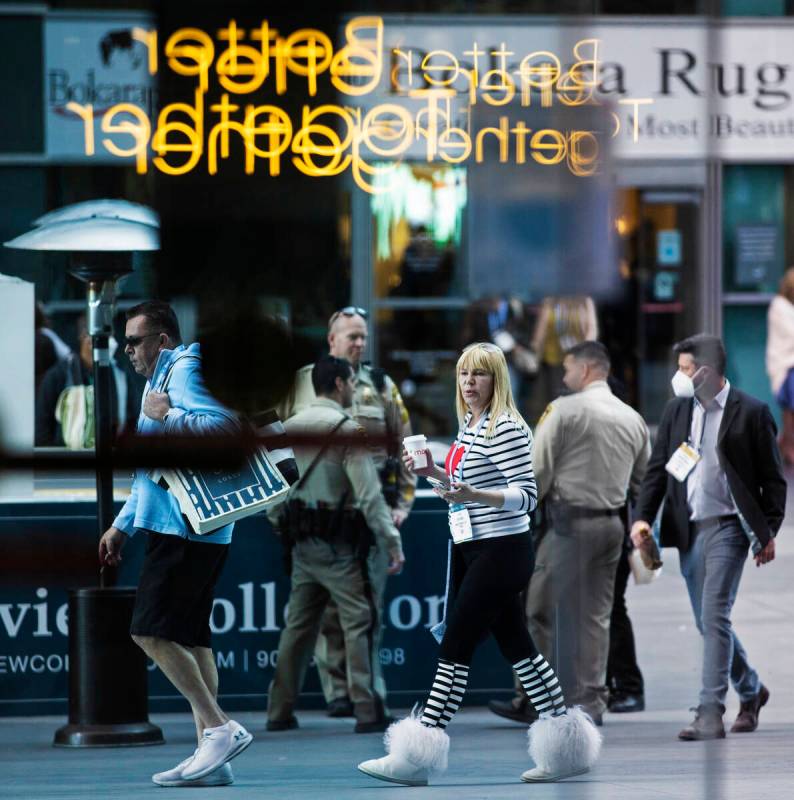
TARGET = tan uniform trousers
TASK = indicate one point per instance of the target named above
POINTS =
(330, 650)
(569, 602)
(321, 573)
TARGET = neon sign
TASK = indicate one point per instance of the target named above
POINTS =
(330, 139)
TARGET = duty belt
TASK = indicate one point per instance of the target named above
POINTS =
(578, 512)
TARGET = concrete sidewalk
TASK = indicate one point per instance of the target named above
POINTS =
(642, 757)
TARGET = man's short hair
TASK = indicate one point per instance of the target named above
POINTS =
(325, 372)
(705, 349)
(593, 353)
(160, 316)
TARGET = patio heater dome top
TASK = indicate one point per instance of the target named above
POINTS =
(93, 234)
(108, 208)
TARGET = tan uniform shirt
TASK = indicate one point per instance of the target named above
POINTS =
(372, 410)
(590, 448)
(341, 469)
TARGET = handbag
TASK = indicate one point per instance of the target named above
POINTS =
(210, 499)
(74, 410)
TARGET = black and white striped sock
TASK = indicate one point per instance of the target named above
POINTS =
(541, 685)
(446, 695)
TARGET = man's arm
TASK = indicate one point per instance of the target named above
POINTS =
(654, 484)
(770, 471)
(640, 467)
(125, 521)
(363, 476)
(194, 411)
(549, 439)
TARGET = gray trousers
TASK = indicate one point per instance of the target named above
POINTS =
(569, 603)
(712, 568)
(329, 652)
(321, 574)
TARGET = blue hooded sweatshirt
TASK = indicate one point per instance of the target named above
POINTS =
(194, 411)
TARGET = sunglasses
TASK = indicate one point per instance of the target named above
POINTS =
(134, 341)
(348, 311)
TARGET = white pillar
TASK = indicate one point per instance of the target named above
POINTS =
(17, 399)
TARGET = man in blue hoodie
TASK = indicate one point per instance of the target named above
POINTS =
(170, 621)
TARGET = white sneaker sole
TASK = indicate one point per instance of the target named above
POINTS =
(380, 777)
(238, 748)
(546, 778)
(196, 783)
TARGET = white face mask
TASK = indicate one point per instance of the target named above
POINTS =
(683, 386)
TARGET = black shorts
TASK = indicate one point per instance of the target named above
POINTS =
(176, 589)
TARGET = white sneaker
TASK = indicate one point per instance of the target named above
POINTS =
(166, 778)
(394, 769)
(218, 745)
(537, 775)
(223, 776)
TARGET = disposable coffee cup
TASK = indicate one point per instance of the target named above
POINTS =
(417, 449)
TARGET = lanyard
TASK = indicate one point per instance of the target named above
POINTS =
(699, 446)
(467, 449)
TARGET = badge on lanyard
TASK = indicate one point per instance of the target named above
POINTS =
(682, 462)
(459, 520)
(686, 457)
(460, 523)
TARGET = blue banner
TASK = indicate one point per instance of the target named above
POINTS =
(49, 548)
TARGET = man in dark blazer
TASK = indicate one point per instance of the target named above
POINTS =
(717, 468)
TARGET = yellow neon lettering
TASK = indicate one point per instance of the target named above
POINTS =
(194, 135)
(140, 131)
(278, 129)
(548, 140)
(149, 40)
(361, 57)
(429, 68)
(501, 133)
(582, 162)
(86, 113)
(317, 50)
(446, 142)
(199, 57)
(394, 75)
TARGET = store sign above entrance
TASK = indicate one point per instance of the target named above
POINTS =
(412, 89)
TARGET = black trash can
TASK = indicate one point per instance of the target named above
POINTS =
(108, 692)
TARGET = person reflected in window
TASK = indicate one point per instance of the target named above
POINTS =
(780, 359)
(563, 322)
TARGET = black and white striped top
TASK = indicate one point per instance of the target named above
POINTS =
(503, 462)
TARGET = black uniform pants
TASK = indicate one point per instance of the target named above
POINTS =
(623, 672)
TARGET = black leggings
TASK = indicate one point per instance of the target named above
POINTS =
(490, 575)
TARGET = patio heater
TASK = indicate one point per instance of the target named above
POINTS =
(108, 696)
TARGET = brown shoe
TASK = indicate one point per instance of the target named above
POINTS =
(706, 725)
(517, 709)
(747, 721)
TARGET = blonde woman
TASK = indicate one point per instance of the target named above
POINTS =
(490, 487)
(780, 358)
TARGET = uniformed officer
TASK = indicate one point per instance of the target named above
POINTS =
(590, 450)
(379, 409)
(328, 516)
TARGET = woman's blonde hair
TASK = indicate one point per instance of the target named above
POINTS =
(488, 358)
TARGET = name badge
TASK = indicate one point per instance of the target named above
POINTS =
(460, 524)
(682, 462)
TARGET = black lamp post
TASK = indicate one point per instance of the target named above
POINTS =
(108, 696)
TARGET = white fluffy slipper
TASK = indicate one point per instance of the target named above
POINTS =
(414, 752)
(562, 747)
